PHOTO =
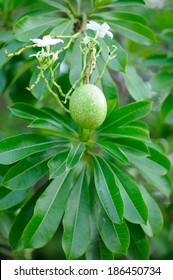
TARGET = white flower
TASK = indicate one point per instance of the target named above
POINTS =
(101, 30)
(46, 41)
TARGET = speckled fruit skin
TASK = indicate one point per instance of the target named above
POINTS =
(88, 106)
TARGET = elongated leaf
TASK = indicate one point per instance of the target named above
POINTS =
(31, 27)
(136, 146)
(139, 246)
(76, 62)
(126, 131)
(127, 114)
(10, 198)
(162, 81)
(22, 220)
(153, 173)
(75, 154)
(134, 31)
(40, 90)
(114, 151)
(50, 125)
(76, 220)
(26, 111)
(108, 191)
(64, 28)
(155, 220)
(57, 165)
(159, 158)
(135, 209)
(116, 237)
(167, 109)
(135, 85)
(48, 212)
(18, 147)
(26, 173)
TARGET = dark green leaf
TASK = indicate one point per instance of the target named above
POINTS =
(18, 147)
(135, 209)
(57, 165)
(26, 173)
(113, 150)
(76, 152)
(167, 109)
(116, 237)
(136, 146)
(127, 114)
(76, 220)
(22, 220)
(48, 212)
(139, 246)
(159, 158)
(10, 198)
(108, 191)
(162, 81)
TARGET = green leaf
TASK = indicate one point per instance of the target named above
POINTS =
(139, 246)
(108, 191)
(76, 220)
(32, 27)
(137, 88)
(155, 220)
(162, 81)
(57, 164)
(116, 237)
(75, 154)
(152, 172)
(10, 198)
(167, 109)
(49, 125)
(22, 219)
(64, 28)
(40, 91)
(75, 61)
(134, 31)
(48, 212)
(135, 209)
(126, 131)
(127, 114)
(26, 173)
(18, 147)
(113, 150)
(136, 146)
(159, 158)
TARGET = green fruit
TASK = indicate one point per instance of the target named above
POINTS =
(88, 106)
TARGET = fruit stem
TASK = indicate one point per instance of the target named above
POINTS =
(88, 67)
(85, 134)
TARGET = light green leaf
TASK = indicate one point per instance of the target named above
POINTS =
(155, 220)
(10, 198)
(108, 191)
(75, 154)
(162, 81)
(137, 88)
(76, 220)
(32, 27)
(116, 237)
(134, 31)
(127, 114)
(75, 62)
(18, 147)
(26, 173)
(152, 172)
(139, 246)
(48, 212)
(113, 150)
(135, 209)
(64, 28)
(57, 165)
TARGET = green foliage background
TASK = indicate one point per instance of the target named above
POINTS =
(141, 72)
